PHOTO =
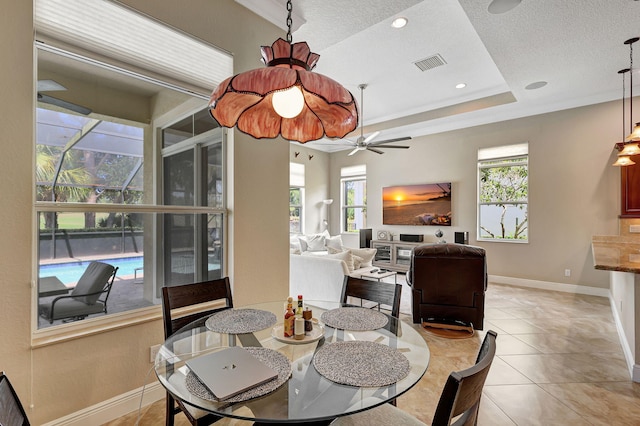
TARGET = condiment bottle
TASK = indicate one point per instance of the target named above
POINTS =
(299, 328)
(299, 310)
(307, 315)
(289, 318)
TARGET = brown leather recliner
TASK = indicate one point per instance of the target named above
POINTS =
(448, 284)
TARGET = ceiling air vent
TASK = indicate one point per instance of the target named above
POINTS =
(430, 62)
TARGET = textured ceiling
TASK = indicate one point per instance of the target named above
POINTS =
(577, 47)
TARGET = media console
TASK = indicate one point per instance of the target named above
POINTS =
(393, 255)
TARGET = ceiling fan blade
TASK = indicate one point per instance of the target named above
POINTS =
(354, 151)
(377, 151)
(371, 136)
(404, 138)
(63, 104)
(391, 146)
(50, 86)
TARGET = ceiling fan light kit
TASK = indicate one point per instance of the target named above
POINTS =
(285, 98)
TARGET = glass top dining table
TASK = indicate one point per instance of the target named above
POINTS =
(307, 395)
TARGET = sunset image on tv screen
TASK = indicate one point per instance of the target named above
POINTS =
(427, 204)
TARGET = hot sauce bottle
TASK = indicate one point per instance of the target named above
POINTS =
(289, 318)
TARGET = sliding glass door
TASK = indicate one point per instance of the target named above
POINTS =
(193, 177)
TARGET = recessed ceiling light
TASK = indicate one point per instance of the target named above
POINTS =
(502, 6)
(536, 85)
(461, 85)
(399, 22)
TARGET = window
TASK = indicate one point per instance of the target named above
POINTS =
(503, 193)
(354, 198)
(100, 194)
(296, 198)
(193, 170)
(295, 210)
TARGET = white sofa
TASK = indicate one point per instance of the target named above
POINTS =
(319, 262)
(320, 276)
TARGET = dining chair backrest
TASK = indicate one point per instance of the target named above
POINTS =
(11, 411)
(462, 391)
(374, 291)
(180, 296)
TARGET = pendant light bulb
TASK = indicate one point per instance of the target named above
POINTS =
(630, 149)
(288, 103)
(635, 134)
(623, 160)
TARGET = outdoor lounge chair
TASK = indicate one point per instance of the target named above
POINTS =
(88, 297)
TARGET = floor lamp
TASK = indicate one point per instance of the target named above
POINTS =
(325, 222)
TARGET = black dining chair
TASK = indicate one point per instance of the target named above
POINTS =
(11, 411)
(374, 291)
(175, 297)
(459, 400)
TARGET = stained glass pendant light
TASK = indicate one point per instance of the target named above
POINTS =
(285, 98)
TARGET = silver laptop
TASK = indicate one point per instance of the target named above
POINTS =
(231, 371)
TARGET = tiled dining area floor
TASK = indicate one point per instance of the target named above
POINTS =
(559, 361)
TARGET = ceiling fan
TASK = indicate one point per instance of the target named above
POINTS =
(363, 143)
(54, 86)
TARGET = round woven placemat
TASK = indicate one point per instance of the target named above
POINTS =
(269, 357)
(355, 319)
(239, 321)
(364, 364)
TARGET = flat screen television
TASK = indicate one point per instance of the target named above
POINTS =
(426, 204)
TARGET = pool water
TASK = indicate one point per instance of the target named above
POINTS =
(70, 272)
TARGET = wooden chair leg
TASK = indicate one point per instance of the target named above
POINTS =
(170, 410)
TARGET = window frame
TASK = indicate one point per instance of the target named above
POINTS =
(516, 155)
(298, 206)
(154, 206)
(344, 207)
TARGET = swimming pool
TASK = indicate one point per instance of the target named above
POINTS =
(70, 272)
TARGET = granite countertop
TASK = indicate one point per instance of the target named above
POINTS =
(616, 253)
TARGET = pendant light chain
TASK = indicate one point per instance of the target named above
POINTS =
(631, 85)
(289, 21)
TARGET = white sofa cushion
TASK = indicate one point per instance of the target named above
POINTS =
(367, 255)
(334, 242)
(346, 257)
(294, 243)
(313, 242)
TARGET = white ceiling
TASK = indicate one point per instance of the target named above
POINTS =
(577, 47)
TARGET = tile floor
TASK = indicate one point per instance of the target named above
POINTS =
(559, 361)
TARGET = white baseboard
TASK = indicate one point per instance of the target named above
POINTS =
(635, 373)
(634, 369)
(548, 285)
(113, 408)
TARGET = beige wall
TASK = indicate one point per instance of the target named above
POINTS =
(574, 191)
(62, 378)
(316, 186)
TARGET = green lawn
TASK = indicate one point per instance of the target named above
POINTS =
(71, 220)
